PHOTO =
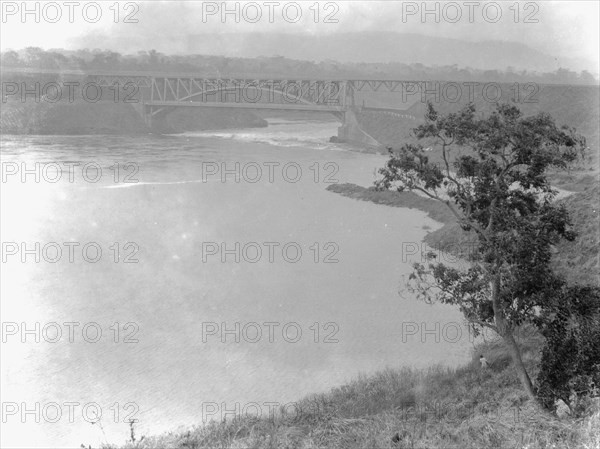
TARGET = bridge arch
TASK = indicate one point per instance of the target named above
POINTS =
(311, 95)
(336, 110)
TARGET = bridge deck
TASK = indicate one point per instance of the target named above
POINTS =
(280, 106)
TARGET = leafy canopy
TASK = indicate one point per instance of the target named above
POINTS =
(492, 173)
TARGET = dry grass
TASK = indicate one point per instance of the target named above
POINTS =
(464, 408)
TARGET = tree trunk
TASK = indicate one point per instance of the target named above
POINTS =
(515, 353)
(506, 331)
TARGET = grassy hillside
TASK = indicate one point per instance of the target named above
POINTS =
(464, 408)
(575, 106)
(579, 260)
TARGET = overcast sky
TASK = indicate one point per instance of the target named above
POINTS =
(567, 29)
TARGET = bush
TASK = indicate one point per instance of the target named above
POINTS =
(570, 365)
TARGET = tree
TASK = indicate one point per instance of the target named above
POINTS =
(33, 56)
(11, 58)
(491, 173)
(586, 77)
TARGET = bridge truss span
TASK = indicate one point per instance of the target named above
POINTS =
(249, 93)
(384, 85)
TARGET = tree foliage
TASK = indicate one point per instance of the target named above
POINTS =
(570, 366)
(491, 173)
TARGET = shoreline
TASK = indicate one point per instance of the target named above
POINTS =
(109, 118)
(447, 238)
(577, 260)
(464, 407)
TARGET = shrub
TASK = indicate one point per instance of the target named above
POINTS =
(570, 365)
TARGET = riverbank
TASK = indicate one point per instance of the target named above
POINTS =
(448, 238)
(466, 408)
(106, 117)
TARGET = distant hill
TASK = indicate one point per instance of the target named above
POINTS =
(383, 47)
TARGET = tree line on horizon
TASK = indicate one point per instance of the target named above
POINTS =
(152, 60)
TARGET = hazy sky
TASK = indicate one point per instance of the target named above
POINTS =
(568, 29)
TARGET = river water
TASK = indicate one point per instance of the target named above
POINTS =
(314, 293)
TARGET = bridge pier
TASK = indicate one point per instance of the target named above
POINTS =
(155, 123)
(145, 113)
(149, 120)
(350, 131)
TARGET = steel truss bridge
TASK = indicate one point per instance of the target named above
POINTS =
(254, 93)
(154, 95)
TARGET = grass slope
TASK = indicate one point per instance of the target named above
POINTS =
(579, 260)
(575, 106)
(464, 408)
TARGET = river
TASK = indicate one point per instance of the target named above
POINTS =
(314, 293)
